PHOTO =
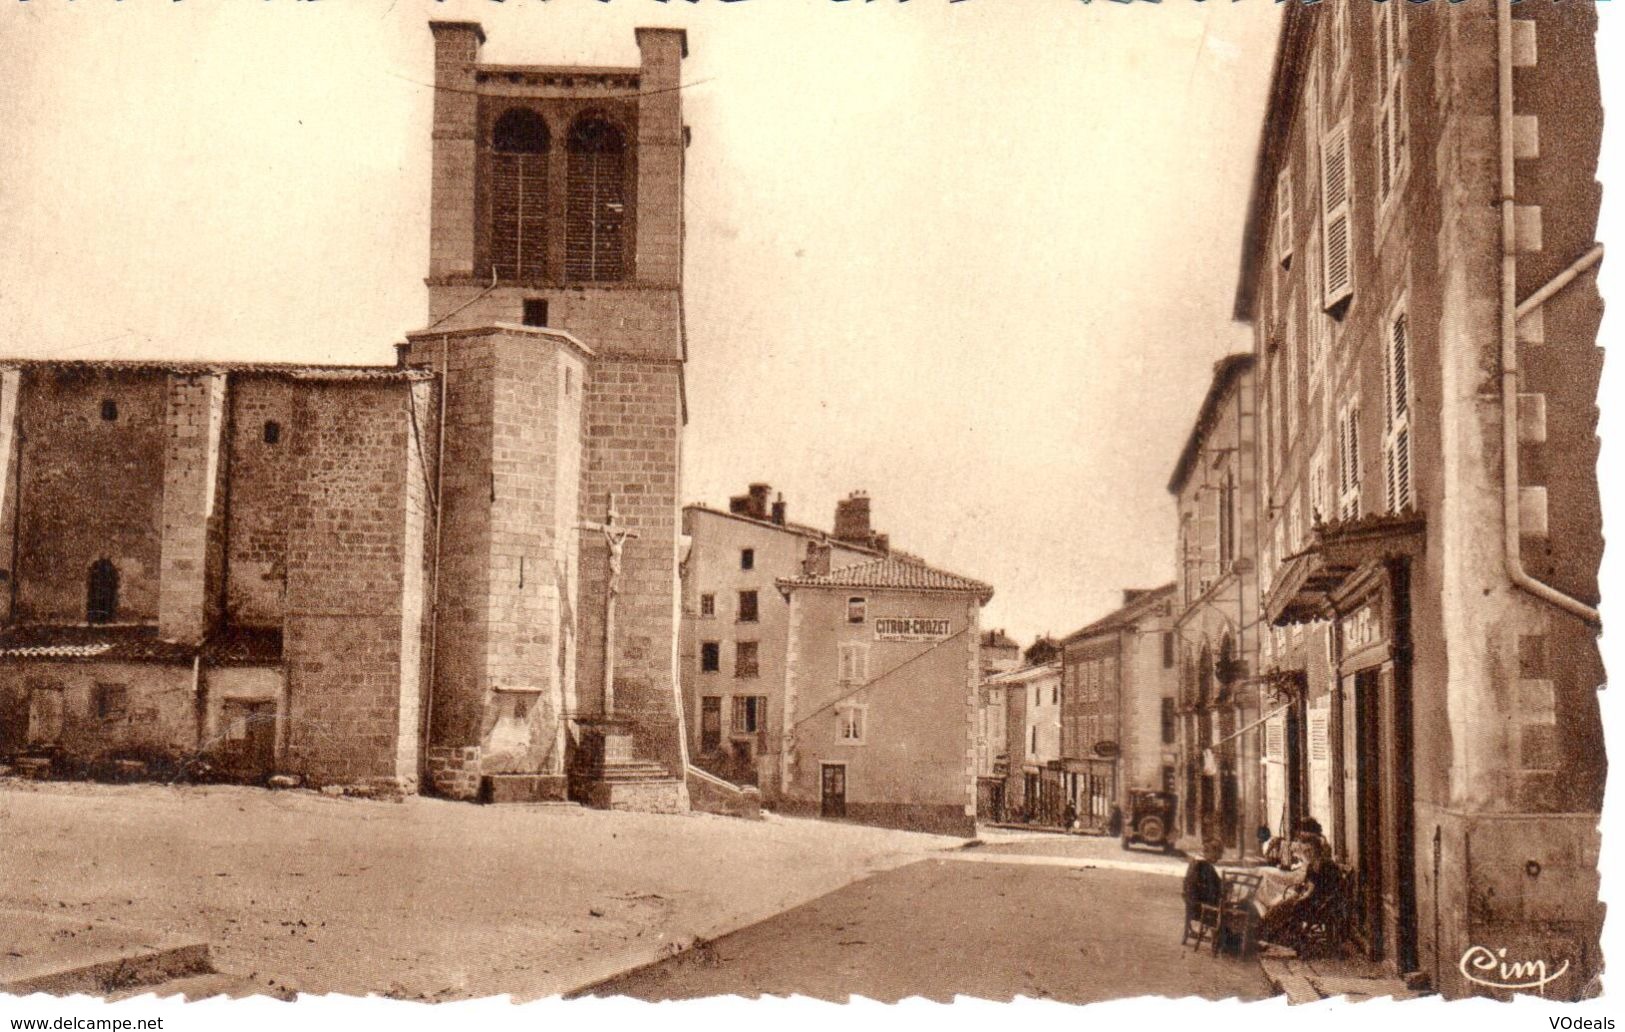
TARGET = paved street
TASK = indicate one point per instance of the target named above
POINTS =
(421, 899)
(988, 929)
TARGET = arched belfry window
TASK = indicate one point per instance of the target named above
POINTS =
(595, 215)
(101, 592)
(518, 240)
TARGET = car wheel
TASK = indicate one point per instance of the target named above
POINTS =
(1151, 829)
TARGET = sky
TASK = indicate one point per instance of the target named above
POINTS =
(976, 259)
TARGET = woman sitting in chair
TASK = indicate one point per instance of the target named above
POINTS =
(1318, 882)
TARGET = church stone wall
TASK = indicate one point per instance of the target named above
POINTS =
(352, 678)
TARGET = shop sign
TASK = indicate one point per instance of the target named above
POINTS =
(1106, 749)
(1361, 628)
(911, 628)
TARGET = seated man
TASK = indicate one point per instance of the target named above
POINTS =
(1319, 880)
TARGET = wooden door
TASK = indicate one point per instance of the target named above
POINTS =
(833, 802)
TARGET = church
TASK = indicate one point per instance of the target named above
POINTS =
(457, 574)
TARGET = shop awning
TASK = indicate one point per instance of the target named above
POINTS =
(1305, 583)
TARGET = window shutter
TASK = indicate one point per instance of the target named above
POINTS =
(1398, 370)
(1283, 216)
(1338, 278)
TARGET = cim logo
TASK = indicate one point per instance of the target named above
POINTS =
(1491, 968)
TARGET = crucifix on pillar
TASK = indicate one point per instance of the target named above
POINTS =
(615, 537)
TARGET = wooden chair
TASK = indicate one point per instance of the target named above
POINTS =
(1326, 916)
(1235, 911)
(1197, 926)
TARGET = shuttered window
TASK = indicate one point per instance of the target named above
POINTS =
(1316, 328)
(1336, 232)
(1348, 461)
(1319, 510)
(1283, 216)
(595, 216)
(1396, 442)
(854, 664)
(1393, 152)
(518, 240)
(1340, 36)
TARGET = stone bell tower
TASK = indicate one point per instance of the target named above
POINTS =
(555, 307)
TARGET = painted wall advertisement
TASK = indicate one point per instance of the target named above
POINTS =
(911, 628)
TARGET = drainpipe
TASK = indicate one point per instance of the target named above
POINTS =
(1510, 312)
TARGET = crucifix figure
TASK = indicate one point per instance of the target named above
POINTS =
(615, 537)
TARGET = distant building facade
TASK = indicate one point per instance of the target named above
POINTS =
(1033, 721)
(735, 625)
(1220, 700)
(1115, 673)
(880, 695)
(1417, 271)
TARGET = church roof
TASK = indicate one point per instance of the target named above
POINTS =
(291, 370)
(894, 573)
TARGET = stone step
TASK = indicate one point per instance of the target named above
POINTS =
(62, 955)
(205, 986)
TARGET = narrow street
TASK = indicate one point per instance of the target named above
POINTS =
(993, 922)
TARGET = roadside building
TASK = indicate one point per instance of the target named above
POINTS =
(1221, 744)
(999, 653)
(880, 695)
(992, 750)
(735, 623)
(1115, 674)
(1032, 702)
(1417, 271)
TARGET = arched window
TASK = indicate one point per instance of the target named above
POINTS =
(101, 592)
(1204, 677)
(518, 195)
(595, 216)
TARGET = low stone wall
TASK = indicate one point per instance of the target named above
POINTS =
(943, 819)
(454, 771)
(710, 794)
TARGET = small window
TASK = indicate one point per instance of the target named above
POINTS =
(747, 558)
(535, 311)
(857, 610)
(746, 663)
(109, 410)
(750, 714)
(747, 607)
(569, 381)
(710, 657)
(708, 605)
(1055, 693)
(1167, 721)
(273, 431)
(1167, 650)
(849, 724)
(112, 701)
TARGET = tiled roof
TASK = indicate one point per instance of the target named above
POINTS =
(1121, 617)
(93, 642)
(891, 572)
(291, 370)
(139, 644)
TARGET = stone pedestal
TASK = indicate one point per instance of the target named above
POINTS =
(607, 775)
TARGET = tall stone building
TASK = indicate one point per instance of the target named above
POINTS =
(393, 573)
(1417, 271)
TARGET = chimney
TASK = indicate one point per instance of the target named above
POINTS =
(852, 519)
(778, 510)
(739, 505)
(817, 562)
(758, 500)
